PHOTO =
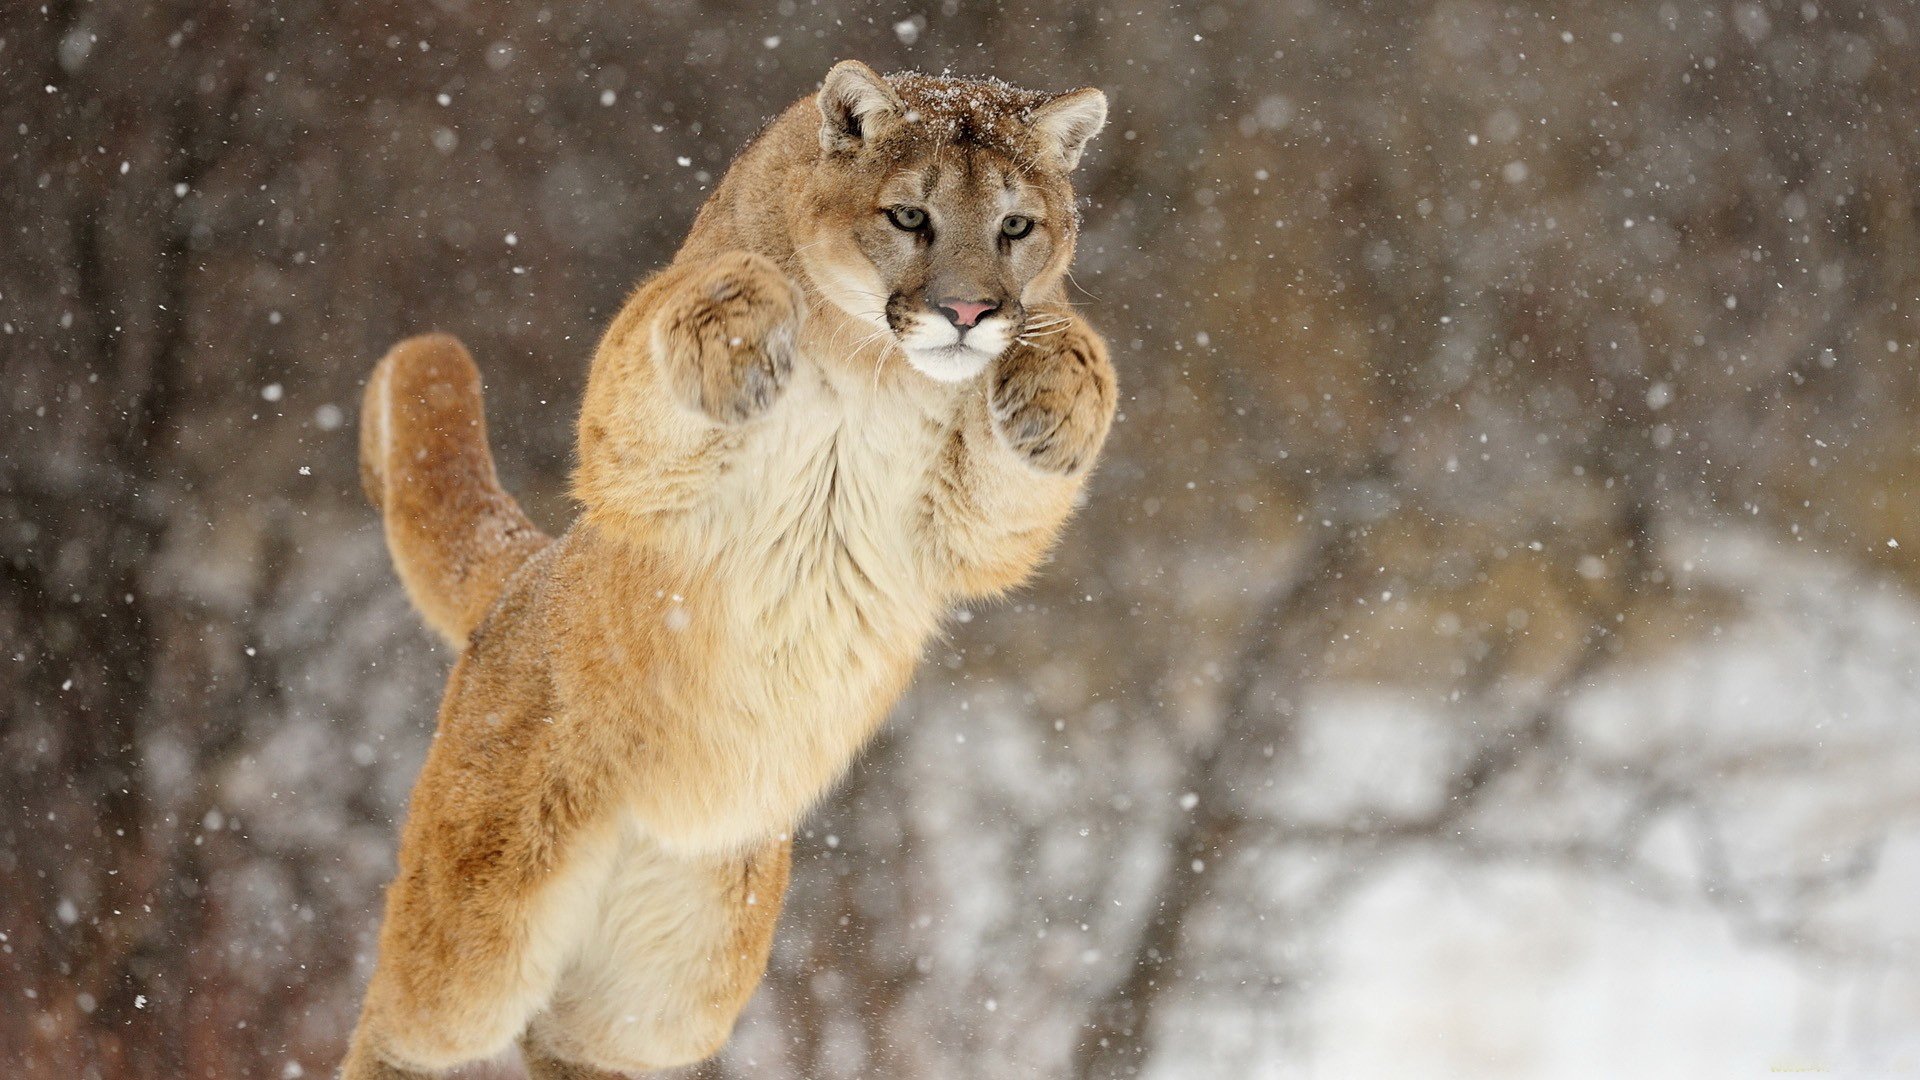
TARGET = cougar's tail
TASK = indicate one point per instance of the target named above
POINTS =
(454, 533)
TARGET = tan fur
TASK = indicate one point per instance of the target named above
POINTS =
(454, 532)
(783, 487)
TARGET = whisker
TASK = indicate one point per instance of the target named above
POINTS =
(869, 339)
(815, 244)
(880, 365)
(1076, 284)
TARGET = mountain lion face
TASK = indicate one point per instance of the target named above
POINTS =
(942, 212)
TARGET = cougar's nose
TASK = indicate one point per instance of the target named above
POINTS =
(965, 313)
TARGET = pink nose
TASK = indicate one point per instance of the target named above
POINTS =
(966, 312)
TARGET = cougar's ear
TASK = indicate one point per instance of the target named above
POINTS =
(1068, 121)
(855, 104)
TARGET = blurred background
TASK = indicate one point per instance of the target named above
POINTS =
(1491, 647)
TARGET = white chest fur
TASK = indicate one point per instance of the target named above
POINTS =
(821, 588)
(818, 510)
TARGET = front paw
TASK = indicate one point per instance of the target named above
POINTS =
(1052, 400)
(727, 337)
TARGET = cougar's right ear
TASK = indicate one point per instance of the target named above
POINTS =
(855, 104)
(1070, 120)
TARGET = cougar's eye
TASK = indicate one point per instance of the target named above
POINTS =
(909, 218)
(1013, 226)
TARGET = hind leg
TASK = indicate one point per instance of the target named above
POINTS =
(678, 948)
(543, 1065)
(458, 982)
(502, 861)
(365, 1063)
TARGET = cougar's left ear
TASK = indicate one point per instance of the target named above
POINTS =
(855, 105)
(1071, 119)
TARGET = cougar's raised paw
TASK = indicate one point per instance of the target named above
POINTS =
(1052, 402)
(728, 339)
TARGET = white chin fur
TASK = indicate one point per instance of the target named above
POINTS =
(949, 363)
(938, 351)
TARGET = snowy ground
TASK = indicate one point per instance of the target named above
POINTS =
(1733, 895)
